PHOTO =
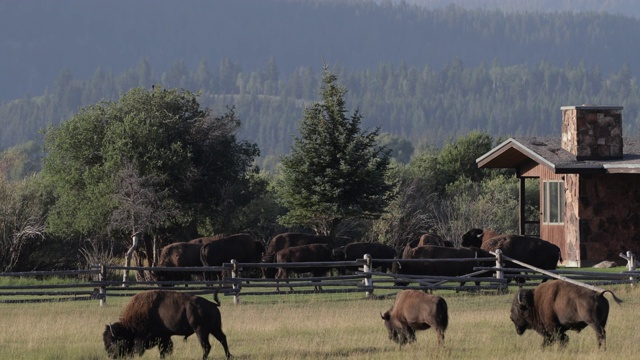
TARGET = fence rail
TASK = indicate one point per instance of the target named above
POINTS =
(95, 283)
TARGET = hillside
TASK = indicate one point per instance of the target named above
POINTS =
(418, 73)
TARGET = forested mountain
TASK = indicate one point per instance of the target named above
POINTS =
(626, 7)
(419, 73)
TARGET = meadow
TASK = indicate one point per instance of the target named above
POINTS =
(319, 326)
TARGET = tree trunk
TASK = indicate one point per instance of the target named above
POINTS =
(127, 257)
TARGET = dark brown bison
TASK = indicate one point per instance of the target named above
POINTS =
(432, 239)
(244, 248)
(556, 306)
(475, 237)
(357, 250)
(416, 310)
(180, 254)
(439, 268)
(304, 253)
(152, 317)
(528, 249)
(286, 240)
(206, 239)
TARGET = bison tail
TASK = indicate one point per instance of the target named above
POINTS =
(215, 298)
(615, 298)
(442, 314)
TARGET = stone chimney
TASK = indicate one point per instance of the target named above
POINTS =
(592, 132)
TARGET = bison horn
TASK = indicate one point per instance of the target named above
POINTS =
(382, 316)
(111, 330)
(520, 298)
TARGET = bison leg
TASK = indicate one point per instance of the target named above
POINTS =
(165, 345)
(548, 339)
(222, 338)
(601, 335)
(440, 333)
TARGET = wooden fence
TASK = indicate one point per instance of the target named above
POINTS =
(95, 283)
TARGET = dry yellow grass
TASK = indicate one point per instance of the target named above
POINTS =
(317, 327)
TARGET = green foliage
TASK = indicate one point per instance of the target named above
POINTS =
(400, 149)
(154, 154)
(335, 170)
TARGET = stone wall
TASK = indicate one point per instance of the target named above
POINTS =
(591, 132)
(609, 216)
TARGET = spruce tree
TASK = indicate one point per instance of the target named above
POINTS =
(335, 170)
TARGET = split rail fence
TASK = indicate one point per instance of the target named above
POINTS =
(94, 283)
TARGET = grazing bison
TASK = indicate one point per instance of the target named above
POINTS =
(304, 253)
(439, 268)
(180, 254)
(286, 240)
(556, 306)
(244, 248)
(416, 310)
(357, 250)
(152, 317)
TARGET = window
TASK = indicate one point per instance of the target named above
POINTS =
(553, 199)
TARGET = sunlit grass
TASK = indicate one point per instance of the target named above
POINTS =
(341, 326)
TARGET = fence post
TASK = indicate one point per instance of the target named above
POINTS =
(368, 281)
(631, 265)
(499, 273)
(103, 289)
(236, 284)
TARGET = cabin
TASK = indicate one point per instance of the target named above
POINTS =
(589, 180)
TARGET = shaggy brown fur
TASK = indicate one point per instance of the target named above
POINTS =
(556, 306)
(286, 240)
(304, 253)
(416, 310)
(180, 254)
(152, 317)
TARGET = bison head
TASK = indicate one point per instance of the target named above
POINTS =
(522, 310)
(398, 333)
(118, 341)
(473, 238)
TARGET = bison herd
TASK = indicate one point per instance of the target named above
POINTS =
(152, 317)
(300, 248)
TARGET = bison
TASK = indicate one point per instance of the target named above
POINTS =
(475, 237)
(439, 268)
(304, 253)
(180, 254)
(244, 248)
(416, 310)
(357, 250)
(286, 240)
(528, 249)
(152, 317)
(556, 306)
(207, 239)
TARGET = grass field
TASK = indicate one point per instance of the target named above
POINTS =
(339, 326)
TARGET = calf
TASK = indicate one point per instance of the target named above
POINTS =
(556, 306)
(415, 310)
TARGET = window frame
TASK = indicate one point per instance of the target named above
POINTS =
(553, 202)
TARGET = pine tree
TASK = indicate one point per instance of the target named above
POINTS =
(335, 170)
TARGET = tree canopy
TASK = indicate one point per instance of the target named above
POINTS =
(335, 170)
(152, 160)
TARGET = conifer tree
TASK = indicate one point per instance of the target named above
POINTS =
(335, 171)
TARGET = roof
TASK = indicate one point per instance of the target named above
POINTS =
(515, 152)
